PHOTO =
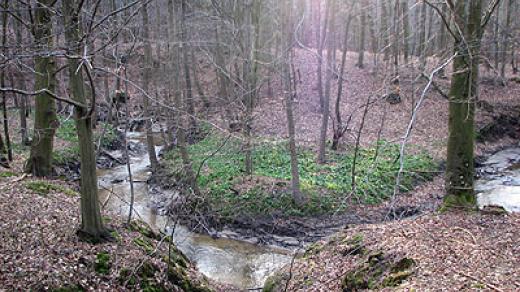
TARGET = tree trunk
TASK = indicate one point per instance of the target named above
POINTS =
(322, 28)
(362, 27)
(326, 96)
(339, 131)
(154, 163)
(290, 93)
(91, 223)
(506, 37)
(406, 30)
(175, 67)
(45, 120)
(422, 39)
(188, 97)
(2, 81)
(463, 93)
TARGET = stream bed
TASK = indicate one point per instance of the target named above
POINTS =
(227, 261)
(499, 182)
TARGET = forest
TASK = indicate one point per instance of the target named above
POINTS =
(259, 145)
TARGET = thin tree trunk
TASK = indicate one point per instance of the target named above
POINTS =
(339, 131)
(422, 39)
(506, 35)
(361, 54)
(176, 68)
(193, 128)
(196, 80)
(290, 93)
(154, 163)
(326, 97)
(406, 30)
(2, 81)
(321, 42)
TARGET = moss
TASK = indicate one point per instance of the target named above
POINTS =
(464, 200)
(313, 249)
(7, 174)
(126, 277)
(147, 270)
(377, 272)
(402, 265)
(275, 282)
(144, 276)
(146, 244)
(144, 229)
(116, 236)
(43, 188)
(395, 279)
(102, 264)
(354, 245)
(176, 258)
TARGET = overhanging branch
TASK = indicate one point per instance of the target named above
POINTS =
(46, 91)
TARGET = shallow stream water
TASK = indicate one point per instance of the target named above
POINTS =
(499, 183)
(238, 263)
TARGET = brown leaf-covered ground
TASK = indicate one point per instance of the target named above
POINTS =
(40, 250)
(454, 251)
(389, 121)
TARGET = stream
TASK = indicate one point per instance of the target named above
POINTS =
(499, 182)
(227, 261)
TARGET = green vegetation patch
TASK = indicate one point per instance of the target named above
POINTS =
(328, 187)
(43, 188)
(7, 174)
(102, 264)
(67, 132)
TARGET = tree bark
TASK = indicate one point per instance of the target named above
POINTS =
(91, 222)
(45, 120)
(290, 93)
(463, 94)
(326, 96)
(154, 163)
(362, 27)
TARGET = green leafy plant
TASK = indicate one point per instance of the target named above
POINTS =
(326, 186)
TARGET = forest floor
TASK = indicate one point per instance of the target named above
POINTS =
(497, 127)
(450, 251)
(41, 251)
(453, 251)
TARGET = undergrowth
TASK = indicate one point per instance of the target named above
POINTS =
(67, 132)
(328, 187)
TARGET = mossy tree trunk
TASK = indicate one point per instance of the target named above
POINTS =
(91, 223)
(5, 7)
(45, 119)
(463, 94)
